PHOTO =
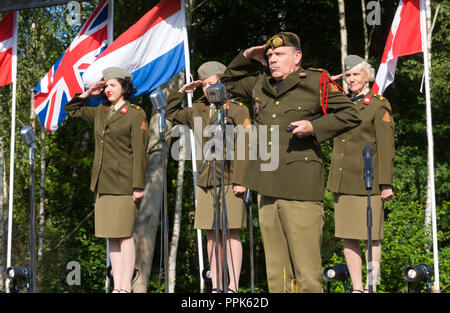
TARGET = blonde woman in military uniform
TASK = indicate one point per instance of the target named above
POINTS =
(121, 139)
(209, 73)
(346, 177)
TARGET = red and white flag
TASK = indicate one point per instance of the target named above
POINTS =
(405, 38)
(8, 44)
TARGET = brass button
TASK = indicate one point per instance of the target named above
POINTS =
(271, 129)
(277, 102)
(269, 143)
(299, 108)
(343, 140)
(340, 169)
(342, 154)
(306, 158)
(274, 116)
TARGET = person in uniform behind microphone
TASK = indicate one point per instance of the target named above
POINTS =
(346, 176)
(121, 139)
(209, 73)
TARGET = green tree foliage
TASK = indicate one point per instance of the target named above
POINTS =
(219, 30)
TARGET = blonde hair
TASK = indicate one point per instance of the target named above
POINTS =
(368, 69)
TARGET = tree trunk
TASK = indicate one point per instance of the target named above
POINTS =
(149, 213)
(366, 34)
(178, 208)
(148, 219)
(343, 30)
(42, 196)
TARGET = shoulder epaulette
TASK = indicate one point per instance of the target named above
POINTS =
(237, 102)
(135, 106)
(316, 69)
(380, 97)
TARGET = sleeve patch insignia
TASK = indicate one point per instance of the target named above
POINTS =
(334, 88)
(144, 125)
(387, 117)
(246, 123)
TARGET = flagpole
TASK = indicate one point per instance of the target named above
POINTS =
(13, 135)
(194, 158)
(431, 199)
(110, 40)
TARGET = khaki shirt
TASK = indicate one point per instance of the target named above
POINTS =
(120, 145)
(237, 115)
(300, 172)
(376, 129)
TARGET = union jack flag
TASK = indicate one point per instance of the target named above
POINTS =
(64, 79)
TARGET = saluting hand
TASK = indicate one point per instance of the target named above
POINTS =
(137, 194)
(94, 90)
(190, 87)
(256, 53)
(304, 128)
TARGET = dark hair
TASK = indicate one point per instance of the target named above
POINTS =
(127, 88)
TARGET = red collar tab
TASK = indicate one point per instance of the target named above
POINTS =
(124, 109)
(366, 100)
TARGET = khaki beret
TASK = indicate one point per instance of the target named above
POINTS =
(282, 39)
(115, 72)
(350, 61)
(209, 69)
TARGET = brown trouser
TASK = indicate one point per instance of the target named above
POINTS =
(292, 235)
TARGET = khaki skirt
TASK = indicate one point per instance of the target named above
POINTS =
(114, 216)
(204, 214)
(350, 216)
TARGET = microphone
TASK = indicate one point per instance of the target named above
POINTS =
(216, 93)
(28, 135)
(368, 170)
(159, 103)
(158, 100)
(248, 197)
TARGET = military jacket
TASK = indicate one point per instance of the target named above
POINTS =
(237, 118)
(120, 145)
(300, 171)
(376, 129)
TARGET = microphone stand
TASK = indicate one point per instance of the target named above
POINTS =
(248, 202)
(225, 230)
(165, 217)
(32, 221)
(211, 149)
(368, 176)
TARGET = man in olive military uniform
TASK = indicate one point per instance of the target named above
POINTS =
(290, 209)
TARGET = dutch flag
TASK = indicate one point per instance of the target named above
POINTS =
(152, 50)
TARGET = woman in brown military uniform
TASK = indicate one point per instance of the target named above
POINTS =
(121, 139)
(346, 177)
(209, 73)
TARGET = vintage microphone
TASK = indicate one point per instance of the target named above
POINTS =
(159, 103)
(216, 94)
(29, 138)
(368, 179)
